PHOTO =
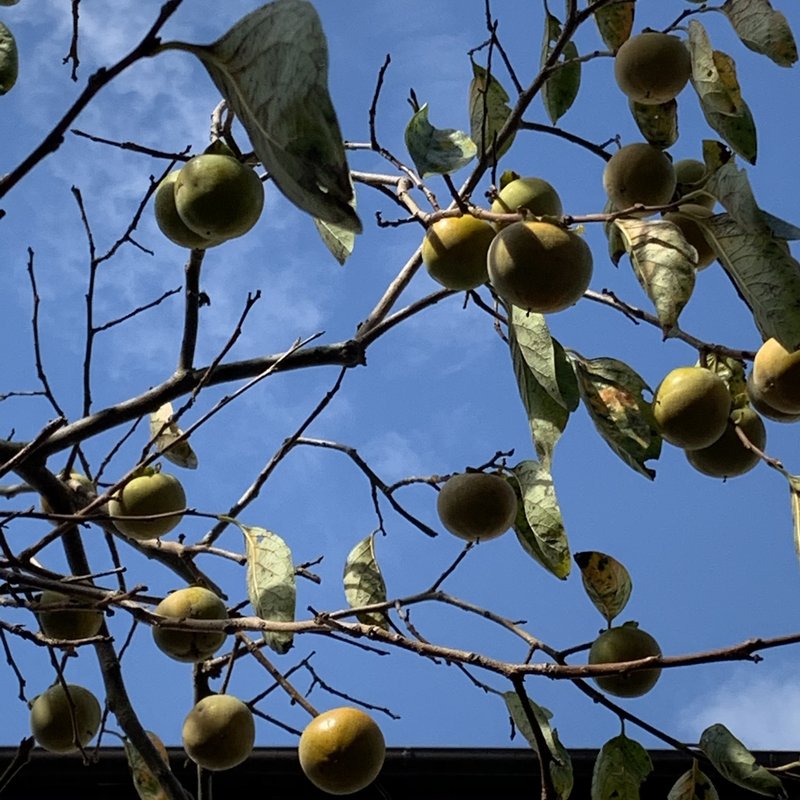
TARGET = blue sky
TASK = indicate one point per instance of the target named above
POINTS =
(713, 563)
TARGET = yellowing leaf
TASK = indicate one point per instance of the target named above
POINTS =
(363, 582)
(488, 110)
(737, 764)
(272, 69)
(9, 59)
(714, 80)
(794, 495)
(436, 151)
(657, 123)
(606, 581)
(166, 433)
(612, 393)
(145, 783)
(615, 23)
(693, 785)
(270, 582)
(664, 264)
(558, 757)
(621, 766)
(561, 88)
(762, 29)
(539, 526)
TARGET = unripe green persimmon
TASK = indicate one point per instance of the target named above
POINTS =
(454, 251)
(652, 68)
(689, 174)
(219, 732)
(341, 751)
(51, 718)
(477, 506)
(776, 377)
(539, 266)
(691, 407)
(193, 602)
(639, 173)
(217, 196)
(686, 218)
(67, 623)
(146, 495)
(170, 222)
(728, 457)
(625, 643)
(533, 195)
(764, 408)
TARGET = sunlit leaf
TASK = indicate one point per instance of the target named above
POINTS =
(436, 151)
(664, 263)
(558, 757)
(737, 764)
(546, 417)
(488, 110)
(621, 766)
(794, 494)
(545, 357)
(561, 88)
(363, 582)
(762, 29)
(272, 69)
(339, 239)
(615, 23)
(765, 274)
(539, 526)
(166, 434)
(145, 783)
(693, 785)
(657, 123)
(613, 395)
(270, 582)
(9, 59)
(714, 80)
(607, 583)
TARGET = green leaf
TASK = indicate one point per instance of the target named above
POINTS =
(488, 110)
(606, 581)
(145, 783)
(762, 29)
(613, 395)
(558, 757)
(9, 59)
(664, 262)
(270, 582)
(272, 69)
(736, 763)
(545, 357)
(437, 151)
(615, 23)
(363, 582)
(547, 418)
(539, 526)
(657, 123)
(693, 785)
(764, 273)
(621, 766)
(714, 80)
(561, 88)
(166, 432)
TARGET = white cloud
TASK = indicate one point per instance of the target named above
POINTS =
(761, 710)
(394, 456)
